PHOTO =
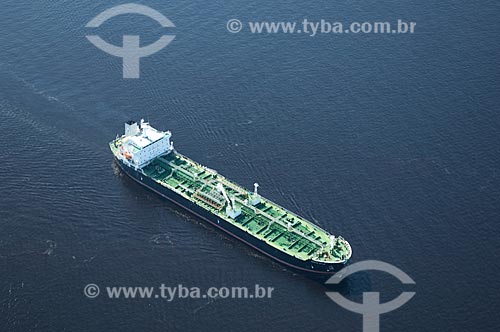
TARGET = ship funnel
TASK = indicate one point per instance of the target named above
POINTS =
(131, 128)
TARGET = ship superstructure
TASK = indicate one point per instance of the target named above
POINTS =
(148, 156)
(142, 143)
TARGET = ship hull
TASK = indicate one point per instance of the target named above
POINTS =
(308, 267)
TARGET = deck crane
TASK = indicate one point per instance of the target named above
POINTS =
(231, 209)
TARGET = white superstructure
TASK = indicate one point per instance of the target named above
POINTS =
(143, 143)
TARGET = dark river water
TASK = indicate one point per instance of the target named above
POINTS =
(391, 141)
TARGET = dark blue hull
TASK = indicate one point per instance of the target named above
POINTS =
(308, 266)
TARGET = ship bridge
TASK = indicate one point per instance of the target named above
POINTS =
(142, 143)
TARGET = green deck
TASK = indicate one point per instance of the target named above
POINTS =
(267, 221)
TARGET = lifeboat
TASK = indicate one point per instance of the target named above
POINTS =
(128, 155)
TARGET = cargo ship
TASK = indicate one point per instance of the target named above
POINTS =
(147, 155)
